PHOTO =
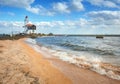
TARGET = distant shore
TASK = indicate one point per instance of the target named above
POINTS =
(21, 64)
(34, 35)
(94, 35)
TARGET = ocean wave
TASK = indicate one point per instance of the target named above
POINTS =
(94, 64)
(87, 62)
(85, 48)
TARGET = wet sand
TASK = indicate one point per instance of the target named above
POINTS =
(20, 64)
(81, 76)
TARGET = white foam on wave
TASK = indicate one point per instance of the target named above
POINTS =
(31, 41)
(85, 60)
(98, 69)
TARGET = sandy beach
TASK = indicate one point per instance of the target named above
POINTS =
(20, 64)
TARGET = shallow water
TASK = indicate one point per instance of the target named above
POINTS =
(99, 55)
(105, 50)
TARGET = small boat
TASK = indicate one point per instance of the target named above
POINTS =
(100, 36)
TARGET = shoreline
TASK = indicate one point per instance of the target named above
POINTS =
(94, 64)
(21, 64)
(50, 74)
(61, 65)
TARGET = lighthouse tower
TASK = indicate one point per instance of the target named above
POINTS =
(26, 20)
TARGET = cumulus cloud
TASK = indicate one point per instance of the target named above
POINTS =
(17, 3)
(58, 7)
(35, 10)
(6, 24)
(81, 26)
(110, 4)
(105, 3)
(107, 15)
(21, 4)
(61, 7)
(46, 26)
(26, 4)
(77, 5)
(9, 27)
(108, 20)
(67, 7)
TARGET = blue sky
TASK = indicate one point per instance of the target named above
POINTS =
(61, 16)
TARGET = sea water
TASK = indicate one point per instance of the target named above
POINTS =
(99, 55)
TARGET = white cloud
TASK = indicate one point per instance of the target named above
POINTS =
(61, 7)
(6, 24)
(81, 26)
(21, 4)
(67, 7)
(110, 4)
(44, 11)
(9, 27)
(107, 15)
(77, 5)
(35, 10)
(26, 4)
(95, 2)
(106, 22)
(58, 7)
(17, 3)
(105, 3)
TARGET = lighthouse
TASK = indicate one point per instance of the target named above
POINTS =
(28, 26)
